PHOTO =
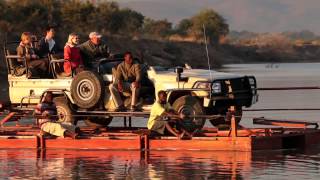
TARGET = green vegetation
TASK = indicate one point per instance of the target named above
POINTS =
(159, 41)
(215, 25)
(157, 28)
(120, 25)
(68, 15)
(107, 17)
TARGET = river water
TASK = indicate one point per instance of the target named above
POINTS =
(282, 164)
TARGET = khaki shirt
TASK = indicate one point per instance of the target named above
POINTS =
(128, 73)
(91, 52)
(25, 51)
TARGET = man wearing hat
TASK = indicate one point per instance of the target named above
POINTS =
(93, 49)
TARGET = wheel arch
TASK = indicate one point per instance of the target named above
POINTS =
(59, 93)
(175, 94)
(65, 108)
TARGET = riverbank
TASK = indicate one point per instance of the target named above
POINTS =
(177, 53)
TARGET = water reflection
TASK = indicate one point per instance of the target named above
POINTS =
(288, 164)
(79, 164)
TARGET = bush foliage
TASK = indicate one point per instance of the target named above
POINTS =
(82, 17)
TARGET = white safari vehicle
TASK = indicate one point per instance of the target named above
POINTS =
(190, 91)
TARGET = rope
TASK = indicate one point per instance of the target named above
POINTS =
(288, 88)
(283, 109)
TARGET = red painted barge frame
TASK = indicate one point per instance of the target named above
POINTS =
(297, 135)
(246, 140)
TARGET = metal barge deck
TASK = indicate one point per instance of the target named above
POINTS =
(287, 135)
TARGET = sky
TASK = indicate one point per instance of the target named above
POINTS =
(252, 15)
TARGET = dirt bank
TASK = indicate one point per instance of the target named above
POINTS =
(166, 53)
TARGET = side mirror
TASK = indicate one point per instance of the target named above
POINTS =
(31, 92)
(179, 71)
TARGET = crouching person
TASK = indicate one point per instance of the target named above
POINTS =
(162, 117)
(47, 121)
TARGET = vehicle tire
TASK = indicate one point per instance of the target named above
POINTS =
(65, 113)
(98, 122)
(87, 89)
(225, 120)
(190, 106)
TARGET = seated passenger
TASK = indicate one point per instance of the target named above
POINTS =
(162, 115)
(36, 66)
(47, 111)
(93, 49)
(73, 60)
(47, 44)
(128, 76)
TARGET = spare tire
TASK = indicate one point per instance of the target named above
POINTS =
(87, 89)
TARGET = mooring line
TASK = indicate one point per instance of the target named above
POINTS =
(289, 88)
(283, 109)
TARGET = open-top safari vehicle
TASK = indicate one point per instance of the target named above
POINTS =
(191, 92)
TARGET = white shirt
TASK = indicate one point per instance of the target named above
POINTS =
(51, 43)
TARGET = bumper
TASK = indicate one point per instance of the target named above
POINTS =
(241, 91)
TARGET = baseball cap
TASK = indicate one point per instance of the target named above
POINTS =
(94, 34)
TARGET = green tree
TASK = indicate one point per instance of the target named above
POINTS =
(157, 28)
(26, 15)
(104, 14)
(215, 24)
(133, 21)
(4, 24)
(78, 16)
(184, 27)
(126, 21)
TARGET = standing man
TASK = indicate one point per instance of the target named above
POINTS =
(93, 49)
(127, 79)
(162, 115)
(47, 44)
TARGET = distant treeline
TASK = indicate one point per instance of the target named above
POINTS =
(304, 35)
(123, 26)
(107, 17)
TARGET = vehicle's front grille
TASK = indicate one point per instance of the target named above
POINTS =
(240, 91)
(239, 84)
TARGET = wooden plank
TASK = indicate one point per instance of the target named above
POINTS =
(205, 144)
(17, 143)
(111, 144)
(266, 143)
(312, 138)
(284, 123)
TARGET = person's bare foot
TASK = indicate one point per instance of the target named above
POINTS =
(188, 134)
(41, 133)
(185, 135)
(74, 136)
(180, 136)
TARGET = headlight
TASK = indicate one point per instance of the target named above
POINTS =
(252, 81)
(203, 85)
(253, 85)
(216, 87)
